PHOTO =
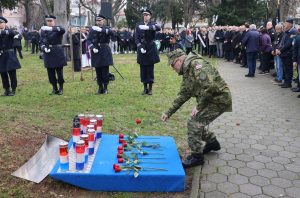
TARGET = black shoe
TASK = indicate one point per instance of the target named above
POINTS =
(150, 89)
(13, 92)
(105, 91)
(248, 75)
(100, 90)
(286, 86)
(193, 160)
(145, 92)
(298, 96)
(7, 93)
(60, 92)
(296, 89)
(212, 146)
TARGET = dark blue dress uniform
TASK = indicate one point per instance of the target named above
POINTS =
(8, 60)
(54, 56)
(144, 39)
(98, 42)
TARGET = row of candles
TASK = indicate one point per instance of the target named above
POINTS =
(87, 129)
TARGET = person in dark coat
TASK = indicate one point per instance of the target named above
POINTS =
(76, 49)
(251, 42)
(8, 59)
(266, 49)
(17, 43)
(147, 53)
(286, 52)
(98, 42)
(26, 36)
(54, 56)
(35, 38)
(296, 60)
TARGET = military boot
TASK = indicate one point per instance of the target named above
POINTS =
(105, 91)
(54, 89)
(214, 145)
(193, 160)
(100, 89)
(145, 89)
(150, 89)
(61, 89)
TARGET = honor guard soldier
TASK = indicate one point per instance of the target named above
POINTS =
(147, 53)
(54, 57)
(8, 59)
(98, 42)
(202, 81)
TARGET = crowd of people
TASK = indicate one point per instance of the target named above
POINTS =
(244, 45)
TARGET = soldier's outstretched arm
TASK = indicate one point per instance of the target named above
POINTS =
(59, 29)
(183, 96)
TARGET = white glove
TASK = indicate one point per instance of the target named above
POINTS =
(95, 50)
(16, 36)
(47, 50)
(96, 28)
(143, 50)
(144, 27)
(46, 28)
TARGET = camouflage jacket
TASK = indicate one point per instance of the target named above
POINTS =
(202, 81)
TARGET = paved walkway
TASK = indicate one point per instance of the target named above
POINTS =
(260, 139)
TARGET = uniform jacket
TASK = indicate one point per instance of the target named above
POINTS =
(100, 41)
(17, 40)
(145, 39)
(53, 40)
(202, 81)
(8, 58)
(296, 49)
(34, 37)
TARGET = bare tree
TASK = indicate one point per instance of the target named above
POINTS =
(60, 11)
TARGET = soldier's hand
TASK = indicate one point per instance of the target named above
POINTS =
(95, 50)
(164, 117)
(143, 51)
(47, 50)
(96, 28)
(144, 27)
(16, 36)
(46, 28)
(295, 65)
(194, 112)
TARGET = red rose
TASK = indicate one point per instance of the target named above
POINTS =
(120, 148)
(124, 144)
(121, 140)
(120, 160)
(138, 121)
(121, 135)
(119, 155)
(117, 168)
(120, 151)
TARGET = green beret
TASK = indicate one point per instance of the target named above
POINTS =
(174, 54)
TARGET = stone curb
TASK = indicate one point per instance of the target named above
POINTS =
(195, 192)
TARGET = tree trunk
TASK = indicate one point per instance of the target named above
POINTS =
(60, 11)
(27, 12)
(45, 7)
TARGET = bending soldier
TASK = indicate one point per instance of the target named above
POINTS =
(98, 42)
(8, 59)
(147, 53)
(202, 81)
(54, 57)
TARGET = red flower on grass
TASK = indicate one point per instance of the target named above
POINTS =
(120, 152)
(120, 160)
(121, 136)
(124, 144)
(121, 140)
(138, 121)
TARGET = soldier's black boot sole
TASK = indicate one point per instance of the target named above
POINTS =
(192, 161)
(212, 146)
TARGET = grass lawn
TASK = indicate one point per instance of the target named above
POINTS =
(32, 113)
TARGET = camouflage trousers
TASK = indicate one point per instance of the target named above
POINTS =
(198, 127)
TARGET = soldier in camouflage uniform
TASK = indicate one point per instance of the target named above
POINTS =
(202, 81)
